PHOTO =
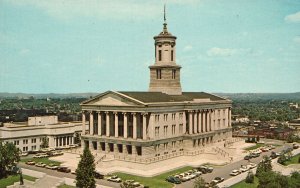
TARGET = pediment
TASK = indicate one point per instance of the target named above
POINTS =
(111, 99)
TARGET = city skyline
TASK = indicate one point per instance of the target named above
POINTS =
(63, 47)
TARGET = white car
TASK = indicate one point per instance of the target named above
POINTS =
(235, 172)
(244, 168)
(252, 165)
(114, 179)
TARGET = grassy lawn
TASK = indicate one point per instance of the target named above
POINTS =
(12, 179)
(43, 160)
(243, 184)
(65, 186)
(254, 147)
(294, 160)
(156, 181)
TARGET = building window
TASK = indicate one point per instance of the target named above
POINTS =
(159, 55)
(173, 129)
(166, 146)
(173, 144)
(16, 142)
(156, 118)
(25, 141)
(172, 54)
(180, 128)
(156, 132)
(158, 74)
(33, 140)
(173, 116)
(33, 148)
(25, 148)
(180, 115)
(166, 130)
(165, 117)
(173, 74)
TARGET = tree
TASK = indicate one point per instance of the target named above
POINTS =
(85, 175)
(127, 184)
(272, 179)
(250, 177)
(282, 158)
(199, 183)
(264, 166)
(9, 157)
(45, 143)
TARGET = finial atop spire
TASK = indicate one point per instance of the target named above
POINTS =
(165, 13)
(165, 29)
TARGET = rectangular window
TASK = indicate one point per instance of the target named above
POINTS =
(16, 142)
(156, 132)
(180, 115)
(180, 128)
(165, 117)
(158, 74)
(33, 140)
(173, 129)
(166, 130)
(25, 141)
(156, 118)
(172, 55)
(173, 74)
(159, 55)
(173, 116)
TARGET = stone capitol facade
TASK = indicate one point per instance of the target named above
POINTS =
(162, 123)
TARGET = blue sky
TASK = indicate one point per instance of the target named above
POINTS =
(62, 46)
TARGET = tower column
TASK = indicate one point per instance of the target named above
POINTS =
(99, 124)
(83, 123)
(190, 122)
(195, 122)
(134, 126)
(144, 126)
(199, 122)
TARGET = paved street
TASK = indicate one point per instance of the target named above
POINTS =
(225, 170)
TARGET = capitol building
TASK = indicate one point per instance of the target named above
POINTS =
(161, 123)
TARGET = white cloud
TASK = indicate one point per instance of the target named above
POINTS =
(297, 39)
(293, 17)
(188, 48)
(102, 9)
(215, 51)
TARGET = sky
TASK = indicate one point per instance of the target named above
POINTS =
(73, 46)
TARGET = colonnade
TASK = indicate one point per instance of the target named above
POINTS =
(202, 121)
(116, 124)
(63, 140)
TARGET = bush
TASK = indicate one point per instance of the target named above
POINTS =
(299, 159)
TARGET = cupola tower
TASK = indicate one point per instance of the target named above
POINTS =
(165, 73)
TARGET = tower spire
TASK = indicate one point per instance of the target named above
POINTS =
(165, 29)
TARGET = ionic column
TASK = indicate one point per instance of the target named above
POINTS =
(190, 122)
(199, 122)
(207, 120)
(195, 122)
(134, 126)
(151, 126)
(229, 117)
(184, 122)
(83, 123)
(99, 123)
(125, 125)
(107, 124)
(91, 123)
(212, 120)
(144, 126)
(116, 124)
(204, 121)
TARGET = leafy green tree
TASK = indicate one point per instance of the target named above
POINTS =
(250, 177)
(264, 166)
(199, 182)
(9, 157)
(282, 159)
(45, 143)
(294, 180)
(272, 179)
(85, 175)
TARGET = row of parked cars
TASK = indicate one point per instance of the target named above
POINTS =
(244, 168)
(48, 154)
(256, 153)
(116, 179)
(191, 174)
(49, 166)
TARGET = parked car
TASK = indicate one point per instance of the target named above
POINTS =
(40, 164)
(217, 180)
(197, 172)
(244, 168)
(114, 179)
(63, 169)
(52, 166)
(254, 155)
(252, 165)
(295, 146)
(247, 157)
(98, 175)
(30, 162)
(205, 169)
(23, 154)
(235, 172)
